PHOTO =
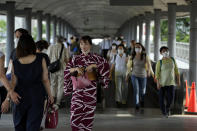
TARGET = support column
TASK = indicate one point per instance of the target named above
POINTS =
(135, 28)
(28, 15)
(147, 40)
(59, 26)
(39, 18)
(172, 29)
(132, 29)
(129, 33)
(10, 29)
(63, 29)
(66, 30)
(48, 29)
(54, 28)
(193, 43)
(157, 33)
(141, 29)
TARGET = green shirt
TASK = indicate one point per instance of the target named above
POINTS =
(167, 72)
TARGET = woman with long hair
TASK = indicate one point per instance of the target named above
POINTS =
(140, 68)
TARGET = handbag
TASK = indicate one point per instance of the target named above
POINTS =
(80, 82)
(51, 120)
(55, 66)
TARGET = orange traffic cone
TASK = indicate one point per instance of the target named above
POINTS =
(186, 96)
(192, 100)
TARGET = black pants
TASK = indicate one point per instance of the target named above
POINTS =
(3, 94)
(166, 92)
(104, 53)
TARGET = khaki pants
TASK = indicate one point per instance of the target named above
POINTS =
(57, 85)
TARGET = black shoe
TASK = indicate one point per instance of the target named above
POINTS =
(142, 104)
(41, 128)
(137, 109)
(118, 104)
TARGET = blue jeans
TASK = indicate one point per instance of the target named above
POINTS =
(163, 92)
(139, 89)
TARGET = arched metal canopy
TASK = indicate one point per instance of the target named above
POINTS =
(92, 17)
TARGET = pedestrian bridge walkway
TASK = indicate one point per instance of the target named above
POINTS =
(122, 120)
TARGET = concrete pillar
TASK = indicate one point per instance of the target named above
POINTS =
(59, 26)
(172, 29)
(63, 29)
(147, 40)
(193, 43)
(135, 27)
(54, 28)
(48, 27)
(132, 29)
(66, 30)
(141, 29)
(28, 15)
(157, 33)
(10, 29)
(129, 33)
(39, 19)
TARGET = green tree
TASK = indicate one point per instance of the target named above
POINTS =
(2, 29)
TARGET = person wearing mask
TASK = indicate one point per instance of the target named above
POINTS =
(18, 32)
(57, 78)
(83, 102)
(119, 63)
(29, 74)
(167, 76)
(139, 67)
(112, 53)
(5, 88)
(105, 45)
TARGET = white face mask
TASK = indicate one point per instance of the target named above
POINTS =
(138, 50)
(165, 54)
(120, 51)
(16, 41)
(114, 47)
(44, 51)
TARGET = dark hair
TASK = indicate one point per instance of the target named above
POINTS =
(121, 45)
(143, 53)
(22, 31)
(71, 37)
(163, 47)
(42, 44)
(113, 44)
(59, 39)
(86, 38)
(26, 46)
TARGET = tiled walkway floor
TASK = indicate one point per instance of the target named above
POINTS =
(122, 120)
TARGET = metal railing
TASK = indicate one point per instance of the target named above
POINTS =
(182, 50)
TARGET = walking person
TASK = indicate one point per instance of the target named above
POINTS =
(83, 89)
(168, 77)
(55, 52)
(120, 66)
(29, 74)
(140, 67)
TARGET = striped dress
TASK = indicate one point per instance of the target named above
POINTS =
(83, 103)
